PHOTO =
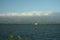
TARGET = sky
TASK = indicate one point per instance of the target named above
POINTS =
(29, 5)
(30, 9)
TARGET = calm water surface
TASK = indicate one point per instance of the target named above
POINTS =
(34, 32)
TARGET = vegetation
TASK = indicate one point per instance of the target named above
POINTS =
(10, 36)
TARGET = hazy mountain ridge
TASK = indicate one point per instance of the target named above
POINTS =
(53, 19)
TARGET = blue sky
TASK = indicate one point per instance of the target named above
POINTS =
(41, 10)
(29, 5)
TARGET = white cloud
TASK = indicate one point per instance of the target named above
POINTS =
(33, 13)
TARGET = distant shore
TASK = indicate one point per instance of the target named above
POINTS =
(29, 24)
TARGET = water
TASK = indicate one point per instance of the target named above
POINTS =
(34, 32)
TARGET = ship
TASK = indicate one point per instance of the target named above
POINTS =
(35, 23)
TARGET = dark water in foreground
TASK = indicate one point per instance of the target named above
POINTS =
(34, 32)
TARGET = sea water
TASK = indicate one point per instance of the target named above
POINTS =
(33, 32)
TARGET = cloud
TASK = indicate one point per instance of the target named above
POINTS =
(33, 13)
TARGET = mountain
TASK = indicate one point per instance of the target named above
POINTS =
(52, 19)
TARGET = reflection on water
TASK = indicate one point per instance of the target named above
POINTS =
(30, 32)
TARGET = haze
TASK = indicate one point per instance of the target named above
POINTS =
(29, 11)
